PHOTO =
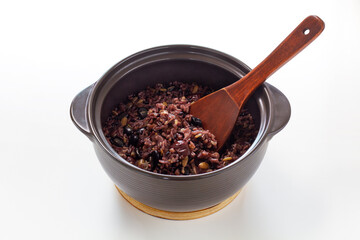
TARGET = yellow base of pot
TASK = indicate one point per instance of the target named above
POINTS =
(177, 215)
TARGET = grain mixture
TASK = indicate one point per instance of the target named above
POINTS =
(155, 131)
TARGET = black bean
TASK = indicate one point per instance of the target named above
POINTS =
(140, 131)
(137, 153)
(127, 130)
(156, 155)
(133, 140)
(142, 112)
(154, 159)
(117, 142)
(196, 121)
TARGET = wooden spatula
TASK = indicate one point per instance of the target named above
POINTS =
(219, 110)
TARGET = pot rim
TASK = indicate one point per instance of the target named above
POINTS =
(260, 138)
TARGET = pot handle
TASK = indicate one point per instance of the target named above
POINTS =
(280, 111)
(78, 111)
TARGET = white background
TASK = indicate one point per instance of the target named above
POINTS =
(51, 183)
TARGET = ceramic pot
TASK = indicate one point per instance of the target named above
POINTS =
(187, 63)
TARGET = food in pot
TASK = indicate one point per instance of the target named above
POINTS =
(155, 132)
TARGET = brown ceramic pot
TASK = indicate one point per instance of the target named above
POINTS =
(188, 63)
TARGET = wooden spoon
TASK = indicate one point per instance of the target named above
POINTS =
(219, 110)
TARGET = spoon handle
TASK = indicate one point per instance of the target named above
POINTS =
(307, 31)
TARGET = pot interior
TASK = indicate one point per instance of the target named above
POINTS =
(164, 71)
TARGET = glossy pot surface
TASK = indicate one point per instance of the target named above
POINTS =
(188, 63)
